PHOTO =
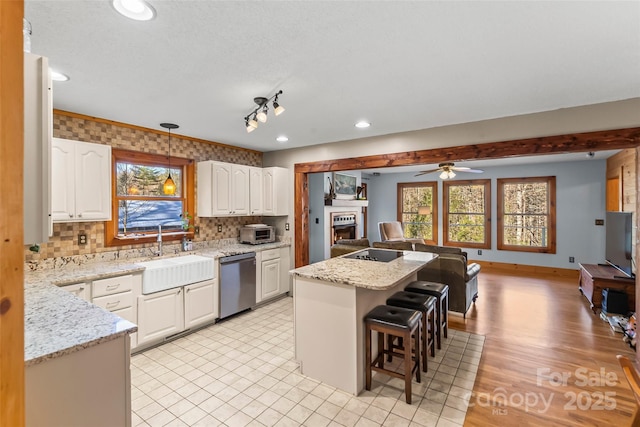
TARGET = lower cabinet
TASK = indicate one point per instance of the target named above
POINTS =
(200, 303)
(272, 277)
(170, 312)
(82, 290)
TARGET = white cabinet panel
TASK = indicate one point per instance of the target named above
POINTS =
(81, 290)
(275, 191)
(200, 303)
(270, 278)
(222, 189)
(255, 191)
(38, 131)
(160, 315)
(81, 181)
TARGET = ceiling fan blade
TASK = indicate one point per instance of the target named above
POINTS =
(429, 171)
(474, 170)
(465, 169)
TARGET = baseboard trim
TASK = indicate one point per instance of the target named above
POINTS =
(529, 269)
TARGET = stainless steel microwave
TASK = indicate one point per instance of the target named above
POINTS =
(255, 234)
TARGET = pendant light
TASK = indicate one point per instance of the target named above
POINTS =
(169, 186)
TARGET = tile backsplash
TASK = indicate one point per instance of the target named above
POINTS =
(64, 242)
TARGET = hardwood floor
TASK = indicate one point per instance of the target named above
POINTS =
(537, 329)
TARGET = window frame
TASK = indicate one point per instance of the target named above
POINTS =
(551, 214)
(434, 203)
(160, 160)
(487, 213)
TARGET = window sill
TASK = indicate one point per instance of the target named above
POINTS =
(147, 238)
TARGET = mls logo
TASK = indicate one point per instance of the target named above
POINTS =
(499, 411)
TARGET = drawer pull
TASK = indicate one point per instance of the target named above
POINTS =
(113, 304)
(112, 287)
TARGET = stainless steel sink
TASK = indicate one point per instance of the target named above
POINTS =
(168, 273)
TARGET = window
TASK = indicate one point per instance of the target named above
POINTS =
(467, 213)
(139, 204)
(526, 214)
(418, 210)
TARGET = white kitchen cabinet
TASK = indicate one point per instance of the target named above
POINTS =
(200, 303)
(255, 190)
(222, 189)
(38, 131)
(160, 315)
(81, 181)
(81, 290)
(272, 275)
(118, 295)
(275, 191)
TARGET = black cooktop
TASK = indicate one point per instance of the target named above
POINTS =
(375, 255)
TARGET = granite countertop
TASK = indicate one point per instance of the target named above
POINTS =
(363, 273)
(58, 322)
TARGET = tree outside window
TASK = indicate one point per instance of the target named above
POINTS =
(418, 210)
(526, 214)
(467, 213)
(140, 205)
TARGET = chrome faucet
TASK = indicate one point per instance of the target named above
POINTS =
(159, 240)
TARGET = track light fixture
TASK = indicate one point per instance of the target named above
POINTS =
(259, 114)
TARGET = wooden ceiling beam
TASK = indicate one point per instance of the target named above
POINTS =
(559, 144)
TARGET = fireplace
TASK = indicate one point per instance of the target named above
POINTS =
(343, 226)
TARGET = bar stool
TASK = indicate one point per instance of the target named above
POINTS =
(441, 292)
(426, 305)
(399, 322)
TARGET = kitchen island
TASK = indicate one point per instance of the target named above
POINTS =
(330, 301)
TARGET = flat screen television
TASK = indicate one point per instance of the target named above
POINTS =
(619, 232)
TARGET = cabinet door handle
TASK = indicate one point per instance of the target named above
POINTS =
(79, 215)
(113, 304)
(70, 215)
(112, 287)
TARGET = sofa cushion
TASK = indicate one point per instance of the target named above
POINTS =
(398, 246)
(354, 242)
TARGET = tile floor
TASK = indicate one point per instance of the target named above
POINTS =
(241, 372)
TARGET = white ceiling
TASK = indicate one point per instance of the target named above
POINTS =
(401, 65)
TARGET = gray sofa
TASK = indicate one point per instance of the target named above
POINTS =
(450, 267)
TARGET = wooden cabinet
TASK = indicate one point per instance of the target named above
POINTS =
(594, 278)
(38, 131)
(81, 181)
(222, 189)
(160, 315)
(255, 190)
(200, 303)
(275, 191)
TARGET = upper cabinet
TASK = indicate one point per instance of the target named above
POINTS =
(255, 190)
(275, 191)
(222, 188)
(81, 181)
(38, 129)
(227, 189)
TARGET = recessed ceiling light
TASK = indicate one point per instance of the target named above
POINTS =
(362, 124)
(139, 10)
(282, 138)
(58, 77)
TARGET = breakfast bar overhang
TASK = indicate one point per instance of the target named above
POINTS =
(330, 300)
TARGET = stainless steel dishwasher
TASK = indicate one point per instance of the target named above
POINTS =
(237, 283)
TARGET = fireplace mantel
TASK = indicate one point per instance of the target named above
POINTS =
(346, 202)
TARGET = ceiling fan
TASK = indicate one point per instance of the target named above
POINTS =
(448, 170)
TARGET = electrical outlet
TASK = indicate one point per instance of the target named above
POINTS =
(317, 220)
(479, 251)
(572, 259)
(219, 228)
(599, 221)
(286, 226)
(82, 239)
(196, 230)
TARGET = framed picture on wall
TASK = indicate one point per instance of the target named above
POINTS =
(344, 185)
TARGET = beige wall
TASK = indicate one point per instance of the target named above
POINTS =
(64, 240)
